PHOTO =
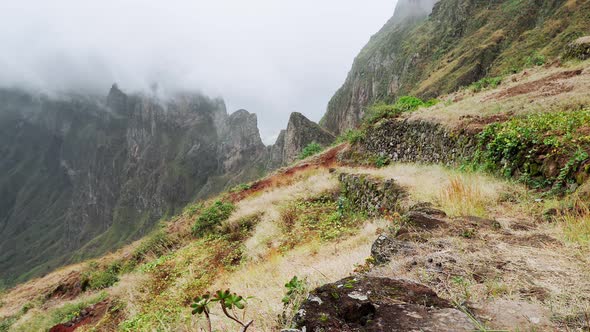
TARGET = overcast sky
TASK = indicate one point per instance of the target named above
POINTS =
(270, 57)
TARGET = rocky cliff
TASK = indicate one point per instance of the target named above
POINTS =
(428, 49)
(300, 132)
(81, 175)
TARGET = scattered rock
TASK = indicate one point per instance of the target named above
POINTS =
(385, 247)
(379, 304)
(428, 208)
(424, 220)
(478, 222)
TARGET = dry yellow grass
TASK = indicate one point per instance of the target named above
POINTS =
(317, 262)
(455, 192)
(268, 203)
(576, 222)
(464, 102)
(462, 197)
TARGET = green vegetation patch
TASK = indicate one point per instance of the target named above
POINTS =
(43, 321)
(311, 149)
(97, 278)
(543, 149)
(323, 216)
(485, 83)
(211, 216)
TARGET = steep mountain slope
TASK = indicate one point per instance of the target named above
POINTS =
(460, 42)
(82, 175)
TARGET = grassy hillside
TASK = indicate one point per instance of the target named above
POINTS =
(461, 42)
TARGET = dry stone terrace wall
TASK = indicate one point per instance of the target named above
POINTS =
(372, 196)
(419, 141)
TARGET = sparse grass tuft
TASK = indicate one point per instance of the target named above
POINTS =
(462, 198)
(576, 222)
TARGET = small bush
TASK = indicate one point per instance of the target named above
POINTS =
(192, 209)
(382, 161)
(310, 150)
(296, 293)
(212, 215)
(485, 83)
(535, 59)
(240, 187)
(202, 305)
(101, 278)
(353, 136)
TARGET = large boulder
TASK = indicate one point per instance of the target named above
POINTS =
(578, 49)
(379, 304)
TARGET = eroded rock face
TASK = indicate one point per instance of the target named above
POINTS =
(300, 132)
(379, 304)
(95, 172)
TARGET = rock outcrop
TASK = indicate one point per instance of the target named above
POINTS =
(300, 132)
(379, 304)
(578, 49)
(82, 175)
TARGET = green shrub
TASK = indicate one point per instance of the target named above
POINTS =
(310, 150)
(240, 187)
(101, 278)
(485, 83)
(535, 59)
(212, 215)
(352, 136)
(156, 244)
(192, 209)
(522, 145)
(382, 161)
(202, 305)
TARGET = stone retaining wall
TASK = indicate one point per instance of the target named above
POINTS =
(370, 195)
(419, 141)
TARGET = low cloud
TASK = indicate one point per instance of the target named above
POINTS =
(267, 56)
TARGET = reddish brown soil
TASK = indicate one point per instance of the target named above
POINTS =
(87, 316)
(474, 123)
(69, 287)
(548, 86)
(284, 176)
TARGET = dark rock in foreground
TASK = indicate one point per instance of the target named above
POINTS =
(379, 304)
